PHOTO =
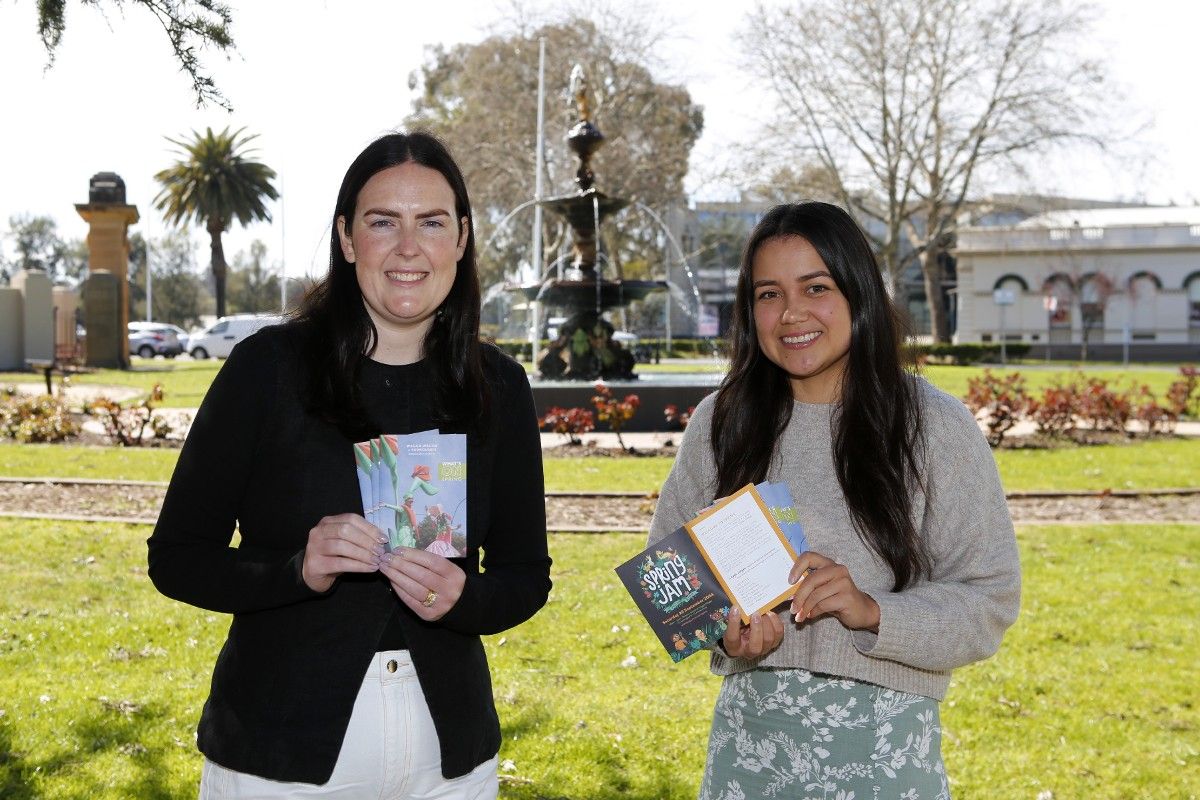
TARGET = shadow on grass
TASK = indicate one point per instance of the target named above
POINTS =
(617, 784)
(107, 733)
(582, 747)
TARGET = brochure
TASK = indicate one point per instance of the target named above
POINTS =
(414, 489)
(734, 553)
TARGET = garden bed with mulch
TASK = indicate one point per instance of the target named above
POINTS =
(141, 502)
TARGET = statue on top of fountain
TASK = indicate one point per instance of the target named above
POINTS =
(578, 86)
(584, 349)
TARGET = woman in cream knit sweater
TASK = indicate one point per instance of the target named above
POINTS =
(913, 566)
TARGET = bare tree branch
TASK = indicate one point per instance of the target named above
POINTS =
(902, 104)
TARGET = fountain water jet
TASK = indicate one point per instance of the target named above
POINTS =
(584, 349)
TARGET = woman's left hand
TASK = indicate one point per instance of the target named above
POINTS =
(428, 584)
(825, 587)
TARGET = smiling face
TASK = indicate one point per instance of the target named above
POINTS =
(405, 242)
(801, 318)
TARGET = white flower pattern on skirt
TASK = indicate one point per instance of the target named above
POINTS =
(792, 733)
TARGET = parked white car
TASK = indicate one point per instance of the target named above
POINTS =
(218, 339)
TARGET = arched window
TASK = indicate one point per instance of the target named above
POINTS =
(1094, 291)
(1012, 281)
(1144, 288)
(1192, 285)
(1058, 294)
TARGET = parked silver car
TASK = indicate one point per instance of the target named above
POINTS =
(150, 339)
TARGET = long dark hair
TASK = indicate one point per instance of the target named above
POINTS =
(877, 437)
(341, 334)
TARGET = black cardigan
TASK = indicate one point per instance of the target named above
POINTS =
(285, 681)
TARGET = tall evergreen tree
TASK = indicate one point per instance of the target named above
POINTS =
(215, 183)
(190, 25)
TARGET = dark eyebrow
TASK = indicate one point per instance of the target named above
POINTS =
(772, 282)
(387, 212)
(381, 212)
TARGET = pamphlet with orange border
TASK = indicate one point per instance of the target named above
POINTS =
(734, 553)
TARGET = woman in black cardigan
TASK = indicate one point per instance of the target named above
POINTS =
(386, 343)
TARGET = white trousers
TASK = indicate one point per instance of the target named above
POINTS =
(390, 751)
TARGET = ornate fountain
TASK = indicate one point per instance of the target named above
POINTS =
(584, 349)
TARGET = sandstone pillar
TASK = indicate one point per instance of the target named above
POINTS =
(109, 217)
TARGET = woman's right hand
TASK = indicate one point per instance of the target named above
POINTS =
(761, 636)
(337, 544)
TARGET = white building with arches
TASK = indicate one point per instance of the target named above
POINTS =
(1104, 278)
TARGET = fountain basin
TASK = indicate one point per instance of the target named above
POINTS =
(655, 392)
(584, 294)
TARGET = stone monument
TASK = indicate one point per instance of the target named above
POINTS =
(12, 325)
(37, 323)
(108, 217)
(106, 346)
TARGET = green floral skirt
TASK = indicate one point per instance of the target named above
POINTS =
(791, 733)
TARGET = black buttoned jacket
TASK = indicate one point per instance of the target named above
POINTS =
(285, 681)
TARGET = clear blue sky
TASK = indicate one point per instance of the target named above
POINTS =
(333, 75)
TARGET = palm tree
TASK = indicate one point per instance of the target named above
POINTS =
(214, 183)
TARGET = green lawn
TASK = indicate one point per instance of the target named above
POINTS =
(1163, 464)
(1094, 692)
(1168, 463)
(706, 367)
(184, 381)
(606, 474)
(953, 380)
(102, 680)
(73, 461)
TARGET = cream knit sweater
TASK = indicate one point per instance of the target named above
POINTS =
(955, 617)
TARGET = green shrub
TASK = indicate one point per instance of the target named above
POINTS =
(570, 422)
(1000, 399)
(1183, 396)
(43, 418)
(967, 352)
(126, 425)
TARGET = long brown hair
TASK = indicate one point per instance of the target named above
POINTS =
(341, 333)
(877, 437)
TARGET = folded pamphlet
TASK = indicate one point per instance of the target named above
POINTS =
(414, 489)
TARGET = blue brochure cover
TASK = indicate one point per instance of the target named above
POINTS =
(779, 501)
(414, 489)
